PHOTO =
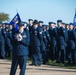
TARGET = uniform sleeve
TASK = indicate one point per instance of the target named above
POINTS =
(48, 36)
(40, 35)
(14, 41)
(44, 39)
(74, 35)
(25, 41)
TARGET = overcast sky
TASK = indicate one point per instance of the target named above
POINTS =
(46, 10)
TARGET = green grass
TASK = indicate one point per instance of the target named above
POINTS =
(8, 58)
(53, 63)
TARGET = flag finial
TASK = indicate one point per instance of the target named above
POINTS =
(16, 10)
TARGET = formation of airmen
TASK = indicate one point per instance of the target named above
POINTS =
(52, 41)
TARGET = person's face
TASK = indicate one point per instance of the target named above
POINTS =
(71, 26)
(67, 27)
(52, 25)
(44, 28)
(35, 25)
(40, 24)
(25, 25)
(7, 30)
(10, 26)
(63, 26)
(31, 22)
(21, 27)
(59, 24)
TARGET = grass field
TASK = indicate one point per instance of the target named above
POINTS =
(70, 66)
(53, 63)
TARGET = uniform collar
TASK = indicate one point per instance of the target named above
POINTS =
(21, 31)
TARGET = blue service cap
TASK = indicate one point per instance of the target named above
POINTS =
(44, 25)
(24, 22)
(41, 22)
(52, 23)
(35, 22)
(71, 24)
(59, 21)
(6, 23)
(63, 23)
(20, 24)
(30, 19)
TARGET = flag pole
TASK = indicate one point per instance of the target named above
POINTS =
(16, 10)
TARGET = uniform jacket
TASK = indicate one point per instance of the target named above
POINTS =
(21, 47)
(36, 37)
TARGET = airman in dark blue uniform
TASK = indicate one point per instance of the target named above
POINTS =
(2, 50)
(20, 51)
(8, 45)
(4, 26)
(10, 33)
(46, 43)
(36, 36)
(53, 35)
(26, 28)
(30, 24)
(61, 37)
(75, 40)
(67, 29)
(71, 44)
(43, 45)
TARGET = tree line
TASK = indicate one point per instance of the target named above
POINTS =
(4, 17)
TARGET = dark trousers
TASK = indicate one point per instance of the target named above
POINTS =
(58, 53)
(45, 56)
(36, 55)
(53, 53)
(67, 53)
(30, 52)
(21, 61)
(63, 55)
(73, 56)
(2, 50)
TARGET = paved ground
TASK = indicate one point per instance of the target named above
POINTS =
(33, 70)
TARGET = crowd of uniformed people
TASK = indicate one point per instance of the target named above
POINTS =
(55, 41)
